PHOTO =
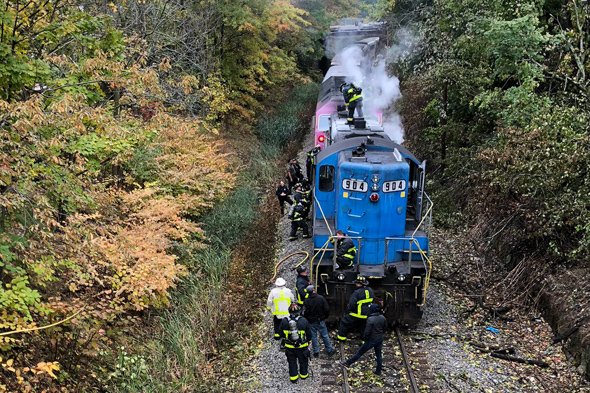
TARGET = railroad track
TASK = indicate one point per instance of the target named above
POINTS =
(405, 369)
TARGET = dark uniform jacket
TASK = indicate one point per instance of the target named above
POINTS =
(283, 190)
(302, 327)
(300, 285)
(358, 306)
(297, 212)
(316, 308)
(375, 327)
(350, 91)
(343, 245)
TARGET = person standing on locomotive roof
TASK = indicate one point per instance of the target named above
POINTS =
(353, 99)
(317, 310)
(296, 335)
(279, 300)
(358, 308)
(345, 250)
(298, 220)
(301, 284)
(373, 338)
(283, 193)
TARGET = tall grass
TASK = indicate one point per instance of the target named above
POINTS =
(184, 355)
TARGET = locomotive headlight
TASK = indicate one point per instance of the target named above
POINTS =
(375, 179)
(401, 278)
(375, 187)
(341, 276)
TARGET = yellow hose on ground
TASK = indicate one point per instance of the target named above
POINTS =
(41, 327)
(279, 263)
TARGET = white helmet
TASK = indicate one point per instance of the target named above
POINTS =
(280, 282)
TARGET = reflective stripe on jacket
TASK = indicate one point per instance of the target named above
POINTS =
(279, 300)
(303, 330)
(366, 298)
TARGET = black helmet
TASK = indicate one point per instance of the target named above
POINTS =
(361, 280)
(301, 269)
(294, 309)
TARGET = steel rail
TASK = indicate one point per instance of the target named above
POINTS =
(345, 385)
(413, 384)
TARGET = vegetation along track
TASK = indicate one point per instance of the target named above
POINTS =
(405, 368)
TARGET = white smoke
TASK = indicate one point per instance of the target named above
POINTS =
(406, 41)
(392, 124)
(381, 90)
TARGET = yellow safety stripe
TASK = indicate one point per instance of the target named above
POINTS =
(341, 338)
(359, 304)
(355, 97)
(294, 347)
(350, 256)
(294, 378)
(303, 376)
(278, 300)
(299, 301)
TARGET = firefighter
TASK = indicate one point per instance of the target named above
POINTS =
(298, 221)
(282, 194)
(373, 338)
(358, 308)
(310, 161)
(345, 250)
(353, 99)
(294, 174)
(296, 335)
(301, 284)
(279, 300)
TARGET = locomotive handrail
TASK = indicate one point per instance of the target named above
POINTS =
(423, 256)
(427, 214)
(323, 215)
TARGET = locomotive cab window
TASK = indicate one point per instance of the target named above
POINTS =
(326, 178)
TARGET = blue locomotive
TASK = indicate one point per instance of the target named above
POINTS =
(372, 189)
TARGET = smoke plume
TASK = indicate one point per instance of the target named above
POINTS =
(381, 90)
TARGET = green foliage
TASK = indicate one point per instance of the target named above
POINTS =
(194, 350)
(498, 99)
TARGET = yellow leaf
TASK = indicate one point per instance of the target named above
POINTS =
(49, 368)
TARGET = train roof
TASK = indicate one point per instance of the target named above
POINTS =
(355, 142)
(356, 26)
(335, 71)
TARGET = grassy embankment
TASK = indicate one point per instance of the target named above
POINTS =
(199, 344)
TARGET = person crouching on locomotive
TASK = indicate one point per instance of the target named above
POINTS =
(345, 250)
(301, 284)
(353, 99)
(296, 335)
(283, 193)
(279, 300)
(358, 309)
(297, 216)
(373, 338)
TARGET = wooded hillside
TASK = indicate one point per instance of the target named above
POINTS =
(114, 120)
(497, 97)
